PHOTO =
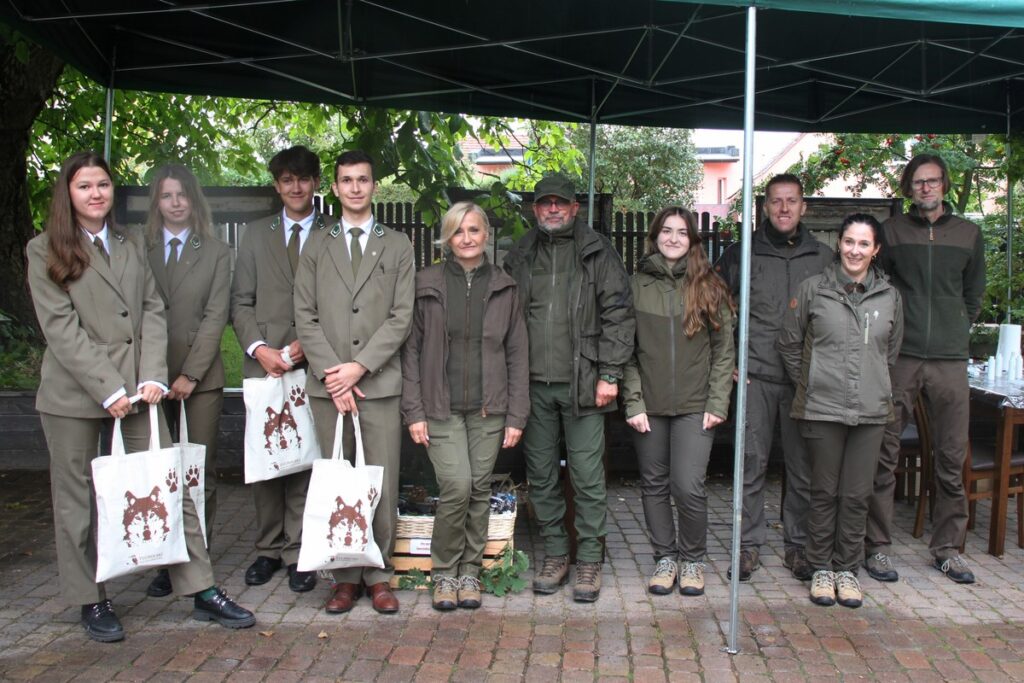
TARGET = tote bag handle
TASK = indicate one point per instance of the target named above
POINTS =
(339, 432)
(117, 443)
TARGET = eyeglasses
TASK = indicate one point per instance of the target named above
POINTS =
(553, 202)
(930, 182)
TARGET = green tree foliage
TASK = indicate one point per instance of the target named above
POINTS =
(229, 141)
(645, 169)
(978, 170)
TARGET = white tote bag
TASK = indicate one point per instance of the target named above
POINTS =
(193, 470)
(279, 435)
(138, 506)
(337, 525)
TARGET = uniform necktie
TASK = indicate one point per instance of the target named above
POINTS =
(172, 260)
(293, 247)
(103, 250)
(356, 250)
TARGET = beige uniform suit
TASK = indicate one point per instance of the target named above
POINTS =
(104, 333)
(197, 301)
(363, 318)
(263, 309)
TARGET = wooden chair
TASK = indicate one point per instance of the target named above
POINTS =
(980, 466)
(908, 464)
(914, 473)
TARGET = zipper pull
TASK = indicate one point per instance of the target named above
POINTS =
(867, 326)
(931, 233)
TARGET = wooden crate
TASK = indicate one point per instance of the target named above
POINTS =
(404, 560)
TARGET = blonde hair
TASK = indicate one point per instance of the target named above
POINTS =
(454, 216)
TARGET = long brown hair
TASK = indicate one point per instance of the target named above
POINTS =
(68, 255)
(704, 291)
(201, 221)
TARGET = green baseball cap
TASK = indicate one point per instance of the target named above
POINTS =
(556, 185)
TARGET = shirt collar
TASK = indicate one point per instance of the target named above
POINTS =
(366, 226)
(168, 236)
(103, 234)
(306, 223)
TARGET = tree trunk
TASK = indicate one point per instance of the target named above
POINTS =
(26, 84)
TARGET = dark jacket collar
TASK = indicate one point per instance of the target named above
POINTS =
(914, 214)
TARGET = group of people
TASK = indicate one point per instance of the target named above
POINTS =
(840, 348)
(472, 358)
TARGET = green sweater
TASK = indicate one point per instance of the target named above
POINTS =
(939, 269)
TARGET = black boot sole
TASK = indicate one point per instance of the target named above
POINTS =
(203, 615)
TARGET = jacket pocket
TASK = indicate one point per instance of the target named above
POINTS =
(586, 378)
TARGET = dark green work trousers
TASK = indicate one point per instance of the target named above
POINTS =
(843, 460)
(550, 408)
(463, 449)
(673, 463)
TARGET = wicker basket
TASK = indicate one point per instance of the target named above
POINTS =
(499, 527)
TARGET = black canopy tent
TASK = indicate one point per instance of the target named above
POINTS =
(649, 63)
(818, 65)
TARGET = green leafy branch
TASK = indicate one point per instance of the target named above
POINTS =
(504, 576)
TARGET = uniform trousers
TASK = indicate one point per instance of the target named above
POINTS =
(72, 442)
(381, 426)
(673, 463)
(947, 400)
(843, 470)
(463, 450)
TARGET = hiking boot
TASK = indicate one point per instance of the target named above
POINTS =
(848, 590)
(956, 568)
(880, 568)
(553, 573)
(446, 593)
(691, 578)
(664, 578)
(749, 562)
(469, 592)
(795, 560)
(823, 588)
(588, 582)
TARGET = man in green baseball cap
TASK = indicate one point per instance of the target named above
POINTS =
(579, 316)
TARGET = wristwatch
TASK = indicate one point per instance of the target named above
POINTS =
(190, 378)
(610, 379)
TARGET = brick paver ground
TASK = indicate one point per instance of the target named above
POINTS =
(923, 628)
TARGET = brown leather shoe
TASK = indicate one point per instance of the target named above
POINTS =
(343, 596)
(384, 601)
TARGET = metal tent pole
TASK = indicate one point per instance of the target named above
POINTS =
(744, 334)
(1009, 213)
(593, 156)
(108, 114)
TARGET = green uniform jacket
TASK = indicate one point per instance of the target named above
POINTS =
(838, 353)
(104, 333)
(197, 301)
(940, 271)
(670, 373)
(506, 378)
(602, 324)
(262, 303)
(366, 319)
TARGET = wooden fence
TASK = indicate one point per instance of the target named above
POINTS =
(232, 208)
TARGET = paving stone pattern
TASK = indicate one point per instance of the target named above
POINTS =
(923, 628)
